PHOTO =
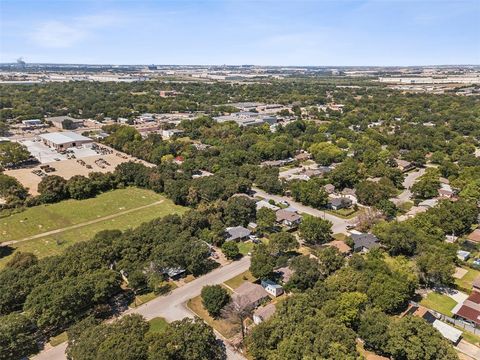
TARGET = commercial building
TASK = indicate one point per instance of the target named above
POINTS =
(247, 118)
(64, 140)
(65, 122)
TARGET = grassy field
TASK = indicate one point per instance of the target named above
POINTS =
(49, 217)
(130, 198)
(157, 325)
(238, 280)
(224, 327)
(465, 283)
(245, 247)
(439, 302)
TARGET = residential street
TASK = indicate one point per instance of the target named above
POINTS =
(172, 307)
(407, 184)
(339, 224)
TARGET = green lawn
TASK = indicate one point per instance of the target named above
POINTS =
(157, 325)
(49, 217)
(439, 302)
(245, 247)
(59, 339)
(57, 243)
(238, 280)
(465, 283)
(342, 213)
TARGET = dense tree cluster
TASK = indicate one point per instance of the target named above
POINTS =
(130, 339)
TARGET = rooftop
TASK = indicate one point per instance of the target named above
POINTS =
(285, 215)
(63, 137)
(474, 236)
(236, 233)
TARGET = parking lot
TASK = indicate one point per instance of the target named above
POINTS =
(86, 161)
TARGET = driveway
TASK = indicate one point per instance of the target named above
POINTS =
(468, 349)
(172, 307)
(339, 224)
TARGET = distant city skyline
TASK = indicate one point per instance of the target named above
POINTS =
(235, 32)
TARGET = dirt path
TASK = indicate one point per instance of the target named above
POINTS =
(76, 226)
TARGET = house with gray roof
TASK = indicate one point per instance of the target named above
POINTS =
(237, 233)
(364, 242)
(249, 295)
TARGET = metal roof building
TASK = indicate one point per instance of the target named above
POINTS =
(64, 140)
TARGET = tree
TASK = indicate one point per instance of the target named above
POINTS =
(310, 192)
(413, 338)
(282, 242)
(326, 153)
(186, 339)
(239, 210)
(262, 262)
(80, 187)
(426, 187)
(137, 281)
(315, 231)
(214, 298)
(230, 249)
(237, 311)
(265, 219)
(53, 188)
(346, 174)
(372, 193)
(373, 329)
(13, 154)
(306, 273)
(330, 260)
(17, 337)
(123, 339)
(22, 260)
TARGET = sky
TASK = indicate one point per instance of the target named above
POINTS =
(236, 32)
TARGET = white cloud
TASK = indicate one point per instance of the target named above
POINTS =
(65, 34)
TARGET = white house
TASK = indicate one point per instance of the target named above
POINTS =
(272, 288)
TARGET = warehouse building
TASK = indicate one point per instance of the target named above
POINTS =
(65, 122)
(64, 140)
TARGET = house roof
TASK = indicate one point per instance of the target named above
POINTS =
(474, 235)
(329, 187)
(402, 163)
(265, 204)
(470, 309)
(286, 215)
(64, 137)
(265, 312)
(447, 331)
(428, 203)
(368, 241)
(476, 282)
(285, 272)
(340, 245)
(237, 232)
(249, 291)
(339, 201)
(63, 118)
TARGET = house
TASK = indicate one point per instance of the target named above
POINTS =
(32, 124)
(329, 188)
(364, 242)
(429, 203)
(174, 273)
(463, 255)
(474, 236)
(65, 122)
(237, 233)
(339, 203)
(249, 295)
(446, 193)
(201, 173)
(168, 134)
(448, 332)
(304, 156)
(285, 273)
(469, 310)
(272, 288)
(263, 313)
(64, 140)
(404, 165)
(476, 284)
(451, 238)
(265, 204)
(288, 218)
(339, 245)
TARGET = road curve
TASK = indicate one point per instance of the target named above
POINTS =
(339, 224)
(172, 306)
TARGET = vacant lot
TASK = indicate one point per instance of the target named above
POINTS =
(125, 208)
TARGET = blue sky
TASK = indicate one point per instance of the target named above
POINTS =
(263, 32)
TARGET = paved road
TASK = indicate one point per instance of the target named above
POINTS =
(339, 224)
(172, 307)
(76, 226)
(407, 184)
